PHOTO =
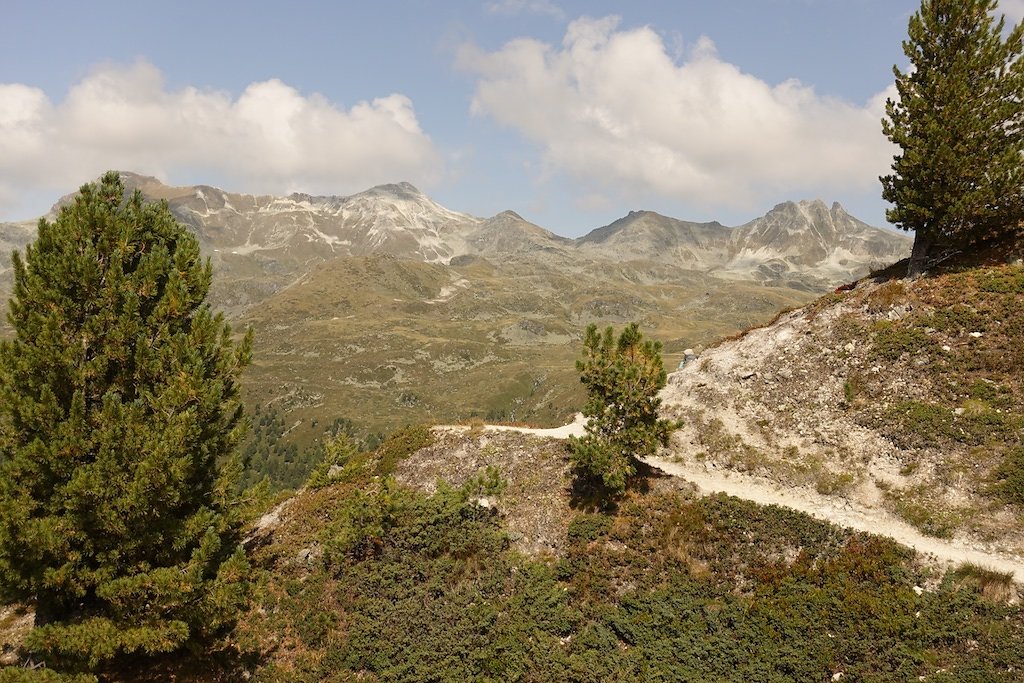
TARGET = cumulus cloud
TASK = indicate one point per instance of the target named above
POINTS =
(270, 138)
(613, 109)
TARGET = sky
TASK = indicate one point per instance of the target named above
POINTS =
(572, 114)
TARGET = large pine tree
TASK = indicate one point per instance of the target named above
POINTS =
(119, 415)
(958, 180)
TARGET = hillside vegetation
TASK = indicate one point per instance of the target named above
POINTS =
(385, 308)
(899, 394)
(465, 554)
(386, 342)
(500, 575)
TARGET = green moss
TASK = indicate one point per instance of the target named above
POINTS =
(1010, 477)
(892, 340)
(1002, 281)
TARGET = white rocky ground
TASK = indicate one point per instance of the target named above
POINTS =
(844, 512)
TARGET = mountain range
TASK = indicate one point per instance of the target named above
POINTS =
(387, 308)
(260, 243)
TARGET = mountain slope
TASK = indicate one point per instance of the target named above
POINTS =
(386, 341)
(810, 239)
(261, 244)
(805, 244)
(385, 308)
(392, 219)
(509, 235)
(645, 235)
(13, 237)
(901, 396)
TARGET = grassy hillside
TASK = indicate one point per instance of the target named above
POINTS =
(901, 394)
(381, 578)
(466, 554)
(385, 342)
(380, 342)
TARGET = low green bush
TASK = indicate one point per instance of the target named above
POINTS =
(892, 340)
(1002, 280)
(666, 588)
(1010, 477)
(400, 445)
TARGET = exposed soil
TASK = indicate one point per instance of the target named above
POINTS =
(860, 507)
(15, 622)
(535, 470)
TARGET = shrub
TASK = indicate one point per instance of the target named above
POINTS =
(400, 445)
(891, 341)
(1010, 477)
(623, 377)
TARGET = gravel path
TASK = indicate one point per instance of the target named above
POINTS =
(839, 511)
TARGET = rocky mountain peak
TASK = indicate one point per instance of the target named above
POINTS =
(133, 180)
(803, 211)
(402, 190)
(798, 238)
(281, 237)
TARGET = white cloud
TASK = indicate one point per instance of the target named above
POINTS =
(614, 110)
(271, 138)
(542, 7)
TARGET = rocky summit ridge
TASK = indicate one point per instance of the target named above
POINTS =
(260, 244)
(796, 240)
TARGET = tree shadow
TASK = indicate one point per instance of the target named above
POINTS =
(952, 258)
(590, 495)
(221, 666)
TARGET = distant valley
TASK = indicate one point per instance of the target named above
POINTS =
(387, 308)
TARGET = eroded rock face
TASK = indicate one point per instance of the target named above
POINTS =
(812, 240)
(804, 241)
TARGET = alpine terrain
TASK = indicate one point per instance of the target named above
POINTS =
(384, 308)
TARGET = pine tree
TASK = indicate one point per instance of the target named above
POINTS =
(623, 377)
(958, 180)
(119, 415)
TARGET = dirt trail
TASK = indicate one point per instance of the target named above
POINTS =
(574, 428)
(839, 511)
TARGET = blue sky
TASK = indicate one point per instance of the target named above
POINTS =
(570, 113)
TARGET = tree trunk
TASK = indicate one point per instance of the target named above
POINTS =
(919, 256)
